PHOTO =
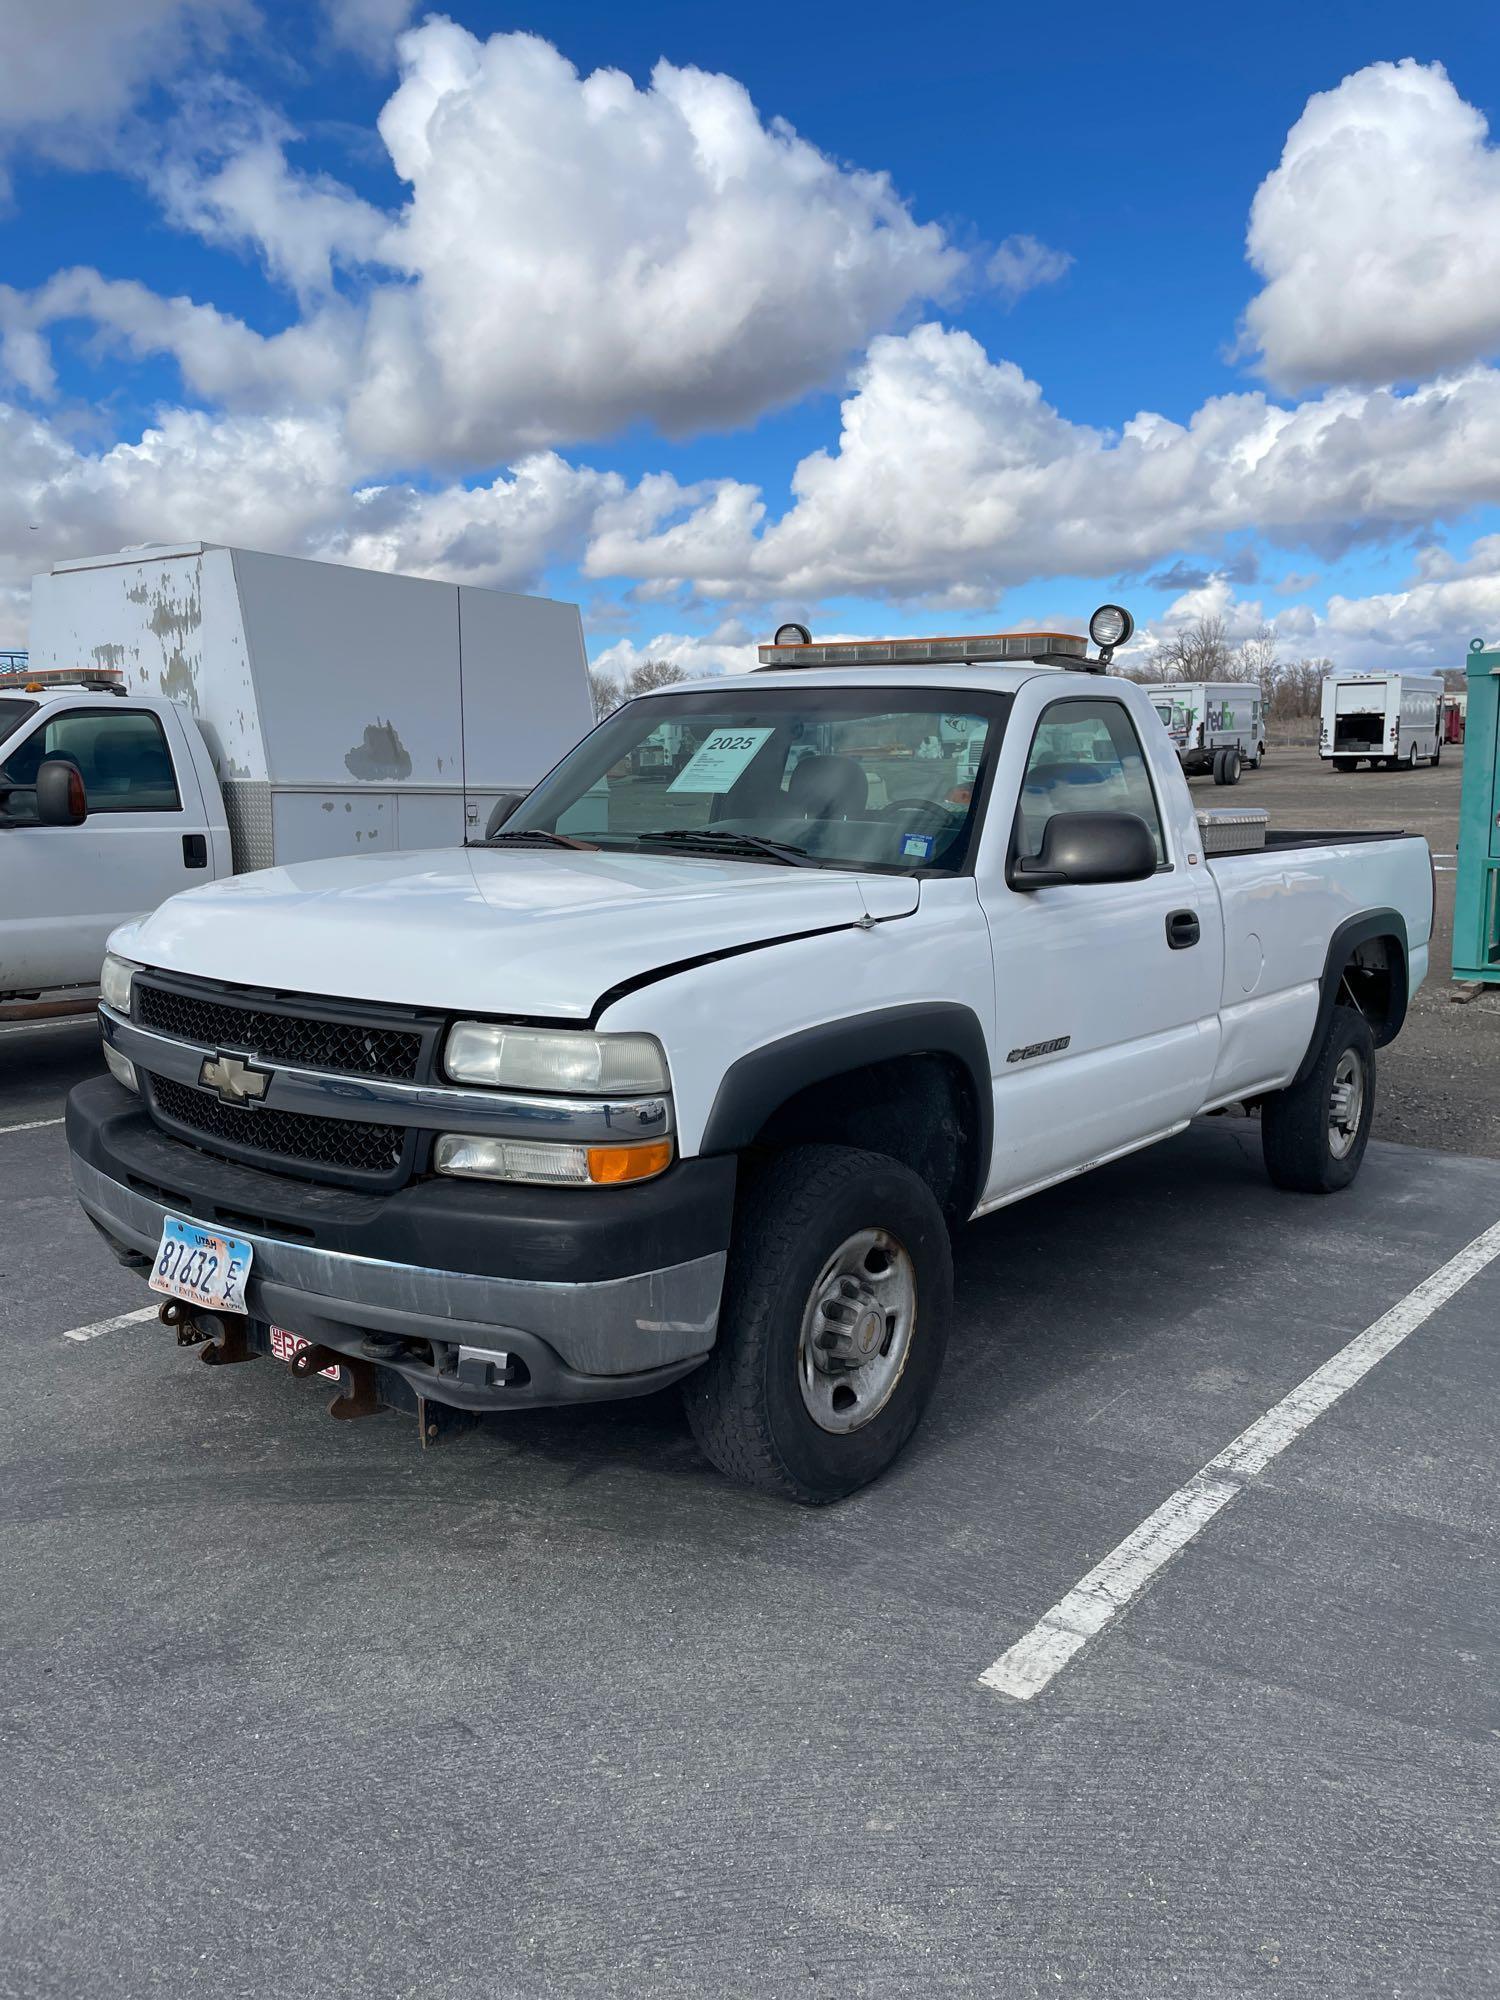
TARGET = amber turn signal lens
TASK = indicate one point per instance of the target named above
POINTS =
(610, 1165)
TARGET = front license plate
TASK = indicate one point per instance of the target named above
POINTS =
(205, 1269)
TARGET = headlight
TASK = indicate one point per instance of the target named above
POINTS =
(566, 1060)
(115, 979)
(550, 1165)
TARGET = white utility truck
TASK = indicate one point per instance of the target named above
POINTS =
(1217, 727)
(1393, 720)
(696, 1086)
(222, 711)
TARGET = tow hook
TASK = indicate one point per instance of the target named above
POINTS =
(231, 1345)
(173, 1313)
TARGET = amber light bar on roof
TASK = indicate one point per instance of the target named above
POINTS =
(36, 679)
(975, 648)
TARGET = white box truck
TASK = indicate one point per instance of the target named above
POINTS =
(1217, 727)
(1385, 719)
(201, 711)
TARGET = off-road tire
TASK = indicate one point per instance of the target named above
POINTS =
(745, 1404)
(1294, 1133)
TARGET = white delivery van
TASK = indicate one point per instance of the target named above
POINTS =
(1390, 719)
(203, 711)
(1216, 727)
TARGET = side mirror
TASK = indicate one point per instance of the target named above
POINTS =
(1079, 847)
(501, 811)
(61, 799)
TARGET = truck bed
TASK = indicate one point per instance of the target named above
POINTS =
(1312, 837)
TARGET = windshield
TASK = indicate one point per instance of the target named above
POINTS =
(13, 712)
(845, 778)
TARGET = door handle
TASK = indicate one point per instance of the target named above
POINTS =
(1182, 929)
(195, 850)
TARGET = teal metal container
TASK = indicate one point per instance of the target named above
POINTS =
(1476, 910)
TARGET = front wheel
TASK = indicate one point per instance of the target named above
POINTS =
(1313, 1134)
(835, 1319)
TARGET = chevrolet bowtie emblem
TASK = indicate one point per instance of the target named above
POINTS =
(234, 1081)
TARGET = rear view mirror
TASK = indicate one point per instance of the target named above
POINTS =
(60, 796)
(1079, 847)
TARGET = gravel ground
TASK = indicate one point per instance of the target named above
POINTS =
(1440, 1079)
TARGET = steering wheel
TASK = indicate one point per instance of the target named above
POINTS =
(934, 811)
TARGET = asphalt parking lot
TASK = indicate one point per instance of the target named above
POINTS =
(293, 1707)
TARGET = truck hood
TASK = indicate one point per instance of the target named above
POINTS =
(498, 931)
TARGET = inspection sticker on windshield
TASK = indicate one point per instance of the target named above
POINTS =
(918, 846)
(201, 1266)
(718, 760)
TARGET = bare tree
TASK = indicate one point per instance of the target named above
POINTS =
(606, 692)
(651, 674)
(1199, 652)
(1255, 659)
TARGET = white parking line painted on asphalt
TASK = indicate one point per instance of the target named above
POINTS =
(35, 1125)
(1026, 1668)
(89, 1020)
(109, 1325)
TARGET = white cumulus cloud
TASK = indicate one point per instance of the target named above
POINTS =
(951, 468)
(1378, 234)
(72, 69)
(581, 253)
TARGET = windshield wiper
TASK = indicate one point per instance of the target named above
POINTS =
(723, 840)
(541, 833)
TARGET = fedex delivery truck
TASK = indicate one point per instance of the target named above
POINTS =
(1217, 727)
(1385, 720)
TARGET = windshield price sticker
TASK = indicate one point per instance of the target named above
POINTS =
(719, 760)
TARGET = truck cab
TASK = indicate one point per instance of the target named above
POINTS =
(153, 824)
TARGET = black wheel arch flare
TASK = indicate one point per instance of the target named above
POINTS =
(754, 1087)
(1389, 926)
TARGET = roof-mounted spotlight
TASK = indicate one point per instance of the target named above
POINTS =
(792, 635)
(1110, 626)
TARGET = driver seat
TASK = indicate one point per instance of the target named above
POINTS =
(829, 788)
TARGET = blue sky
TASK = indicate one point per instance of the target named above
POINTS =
(1069, 193)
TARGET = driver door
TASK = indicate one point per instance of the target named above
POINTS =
(1107, 994)
(63, 889)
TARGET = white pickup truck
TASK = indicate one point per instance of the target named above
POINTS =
(688, 1072)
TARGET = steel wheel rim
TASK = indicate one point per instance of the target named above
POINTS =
(856, 1332)
(1346, 1104)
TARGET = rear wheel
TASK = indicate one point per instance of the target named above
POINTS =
(1231, 766)
(835, 1319)
(1313, 1134)
(1437, 755)
(1411, 758)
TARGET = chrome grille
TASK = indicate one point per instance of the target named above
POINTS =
(378, 1151)
(305, 1040)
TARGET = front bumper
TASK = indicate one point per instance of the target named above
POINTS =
(600, 1292)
